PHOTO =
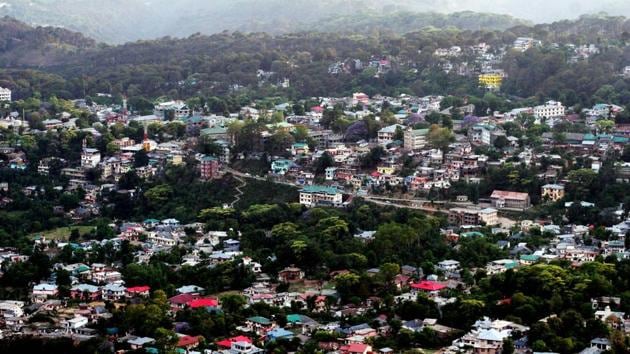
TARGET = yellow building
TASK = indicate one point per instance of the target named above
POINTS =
(386, 170)
(490, 80)
(553, 192)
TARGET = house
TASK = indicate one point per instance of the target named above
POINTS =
(291, 275)
(259, 325)
(189, 342)
(427, 286)
(299, 149)
(209, 167)
(279, 333)
(85, 292)
(500, 266)
(42, 292)
(243, 348)
(5, 94)
(281, 167)
(507, 199)
(90, 158)
(73, 324)
(355, 348)
(601, 344)
(523, 43)
(491, 80)
(227, 343)
(314, 195)
(138, 291)
(203, 302)
(551, 109)
(387, 134)
(113, 291)
(484, 134)
(190, 289)
(139, 342)
(552, 192)
(470, 216)
(449, 266)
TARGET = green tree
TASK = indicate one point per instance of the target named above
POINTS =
(440, 138)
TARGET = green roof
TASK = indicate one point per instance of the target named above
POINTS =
(259, 319)
(320, 189)
(294, 318)
(417, 132)
(530, 258)
(82, 268)
(473, 234)
(214, 131)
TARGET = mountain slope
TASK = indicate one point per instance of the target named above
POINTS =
(23, 45)
(118, 21)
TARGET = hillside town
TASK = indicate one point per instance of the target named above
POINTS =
(419, 153)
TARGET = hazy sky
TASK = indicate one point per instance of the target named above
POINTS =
(537, 10)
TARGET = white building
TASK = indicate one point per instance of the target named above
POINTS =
(415, 139)
(320, 195)
(387, 134)
(90, 158)
(5, 94)
(449, 266)
(550, 109)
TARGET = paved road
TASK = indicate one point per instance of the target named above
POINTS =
(438, 206)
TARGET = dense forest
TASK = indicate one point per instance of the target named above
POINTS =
(45, 62)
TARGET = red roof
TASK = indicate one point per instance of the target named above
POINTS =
(428, 285)
(138, 289)
(205, 302)
(181, 299)
(317, 109)
(186, 341)
(227, 343)
(354, 348)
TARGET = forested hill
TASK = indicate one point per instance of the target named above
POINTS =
(23, 45)
(50, 61)
(119, 21)
(406, 21)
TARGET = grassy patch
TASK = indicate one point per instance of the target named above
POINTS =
(62, 233)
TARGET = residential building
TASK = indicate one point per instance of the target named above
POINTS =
(388, 133)
(553, 192)
(209, 167)
(523, 43)
(5, 94)
(290, 275)
(470, 216)
(90, 158)
(484, 134)
(42, 292)
(490, 80)
(281, 167)
(506, 199)
(320, 195)
(415, 139)
(551, 109)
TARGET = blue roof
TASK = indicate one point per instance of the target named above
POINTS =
(279, 333)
